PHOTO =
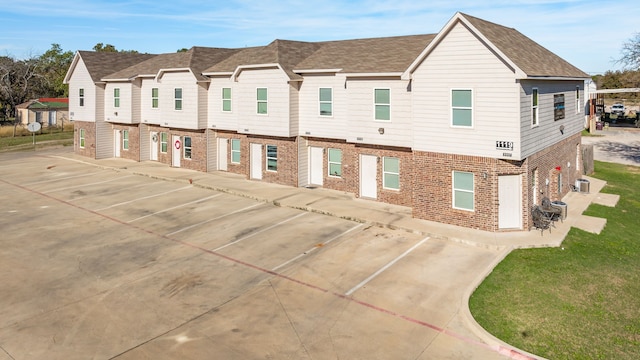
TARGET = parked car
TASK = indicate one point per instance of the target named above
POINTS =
(617, 109)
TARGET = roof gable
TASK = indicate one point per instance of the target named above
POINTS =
(100, 64)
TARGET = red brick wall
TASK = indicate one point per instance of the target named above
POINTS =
(198, 159)
(133, 153)
(287, 173)
(89, 149)
(243, 167)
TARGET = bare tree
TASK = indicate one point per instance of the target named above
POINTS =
(631, 53)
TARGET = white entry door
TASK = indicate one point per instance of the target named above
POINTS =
(510, 202)
(256, 161)
(316, 167)
(116, 142)
(176, 150)
(222, 153)
(368, 176)
(153, 151)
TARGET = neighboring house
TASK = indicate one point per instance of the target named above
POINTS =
(470, 126)
(46, 111)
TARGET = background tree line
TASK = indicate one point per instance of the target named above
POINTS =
(35, 77)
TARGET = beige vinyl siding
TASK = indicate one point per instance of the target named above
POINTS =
(461, 61)
(212, 150)
(303, 162)
(311, 123)
(276, 121)
(81, 79)
(135, 101)
(148, 114)
(361, 124)
(145, 142)
(294, 108)
(218, 119)
(104, 130)
(548, 133)
(203, 107)
(121, 114)
(187, 118)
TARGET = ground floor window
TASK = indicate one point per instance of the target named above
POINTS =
(463, 190)
(272, 158)
(335, 162)
(82, 138)
(391, 173)
(235, 151)
(163, 142)
(125, 139)
(187, 147)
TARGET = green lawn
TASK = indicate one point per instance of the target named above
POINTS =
(26, 141)
(582, 302)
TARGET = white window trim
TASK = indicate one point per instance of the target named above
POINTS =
(384, 185)
(166, 142)
(473, 118)
(181, 98)
(375, 104)
(230, 99)
(184, 148)
(239, 151)
(320, 102)
(116, 98)
(265, 101)
(329, 162)
(81, 97)
(82, 139)
(453, 191)
(125, 140)
(155, 98)
(535, 115)
(578, 102)
(266, 161)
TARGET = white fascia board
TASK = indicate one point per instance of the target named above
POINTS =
(116, 80)
(74, 63)
(316, 71)
(459, 18)
(387, 74)
(241, 68)
(162, 71)
(218, 73)
(553, 78)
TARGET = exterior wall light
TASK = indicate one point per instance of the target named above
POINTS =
(381, 131)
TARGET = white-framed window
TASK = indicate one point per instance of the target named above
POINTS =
(391, 173)
(272, 158)
(325, 99)
(116, 97)
(81, 97)
(578, 102)
(82, 138)
(235, 151)
(177, 96)
(186, 145)
(154, 98)
(534, 107)
(262, 101)
(226, 99)
(463, 197)
(382, 104)
(163, 142)
(125, 139)
(462, 107)
(335, 162)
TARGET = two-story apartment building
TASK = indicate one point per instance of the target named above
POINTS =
(470, 126)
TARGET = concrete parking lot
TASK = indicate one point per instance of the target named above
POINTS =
(101, 263)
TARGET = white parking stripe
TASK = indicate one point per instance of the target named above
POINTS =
(213, 219)
(144, 197)
(382, 269)
(258, 232)
(128, 188)
(83, 185)
(175, 207)
(315, 248)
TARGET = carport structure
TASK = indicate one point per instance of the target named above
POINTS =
(597, 107)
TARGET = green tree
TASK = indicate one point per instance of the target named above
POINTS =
(110, 48)
(53, 66)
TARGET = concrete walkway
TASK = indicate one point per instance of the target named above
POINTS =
(347, 206)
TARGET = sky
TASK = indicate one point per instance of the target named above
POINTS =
(589, 34)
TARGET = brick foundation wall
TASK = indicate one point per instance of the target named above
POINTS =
(243, 167)
(287, 173)
(89, 149)
(198, 159)
(133, 153)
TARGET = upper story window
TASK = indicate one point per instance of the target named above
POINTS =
(235, 151)
(534, 107)
(154, 98)
(463, 190)
(462, 107)
(226, 99)
(335, 162)
(116, 97)
(261, 98)
(325, 97)
(178, 98)
(578, 102)
(558, 107)
(382, 104)
(81, 96)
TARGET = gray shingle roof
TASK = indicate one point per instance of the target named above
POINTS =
(100, 64)
(529, 56)
(197, 59)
